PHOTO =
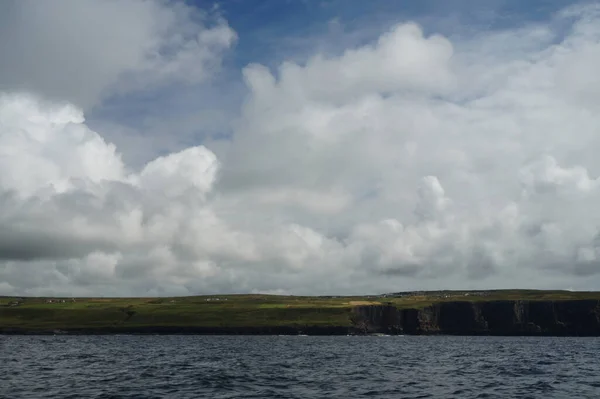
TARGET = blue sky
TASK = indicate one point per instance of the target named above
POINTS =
(272, 31)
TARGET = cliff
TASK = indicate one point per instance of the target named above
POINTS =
(554, 318)
(507, 312)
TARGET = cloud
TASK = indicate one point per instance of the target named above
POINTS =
(402, 59)
(83, 51)
(446, 160)
(193, 168)
(414, 162)
(47, 145)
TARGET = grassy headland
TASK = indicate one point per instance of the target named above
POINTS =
(229, 311)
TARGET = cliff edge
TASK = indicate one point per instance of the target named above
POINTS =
(551, 318)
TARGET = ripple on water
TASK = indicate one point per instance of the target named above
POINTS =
(287, 367)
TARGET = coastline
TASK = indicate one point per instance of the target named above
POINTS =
(484, 313)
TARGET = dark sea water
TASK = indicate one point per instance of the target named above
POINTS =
(298, 367)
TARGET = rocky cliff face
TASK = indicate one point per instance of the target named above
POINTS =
(572, 318)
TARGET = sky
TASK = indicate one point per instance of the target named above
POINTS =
(320, 147)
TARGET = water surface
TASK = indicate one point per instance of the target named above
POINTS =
(298, 367)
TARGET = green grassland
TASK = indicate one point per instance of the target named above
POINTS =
(419, 300)
(229, 311)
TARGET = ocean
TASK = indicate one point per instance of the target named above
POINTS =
(305, 367)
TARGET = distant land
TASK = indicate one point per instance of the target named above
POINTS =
(495, 312)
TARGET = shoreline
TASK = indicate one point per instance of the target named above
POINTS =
(221, 333)
(491, 313)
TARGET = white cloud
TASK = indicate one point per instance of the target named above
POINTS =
(84, 50)
(412, 163)
(402, 59)
(193, 168)
(48, 146)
